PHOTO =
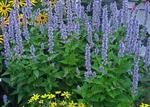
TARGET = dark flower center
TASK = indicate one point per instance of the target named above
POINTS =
(4, 8)
(42, 17)
(20, 19)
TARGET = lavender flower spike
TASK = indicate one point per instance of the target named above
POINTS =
(11, 26)
(125, 11)
(18, 39)
(32, 52)
(87, 62)
(135, 76)
(28, 2)
(147, 54)
(115, 13)
(105, 31)
(63, 31)
(7, 51)
(121, 49)
(25, 27)
(5, 99)
(96, 14)
(50, 39)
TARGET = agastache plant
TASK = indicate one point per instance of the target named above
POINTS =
(63, 32)
(122, 48)
(25, 26)
(125, 12)
(11, 26)
(105, 31)
(77, 30)
(134, 37)
(135, 77)
(136, 69)
(7, 49)
(59, 10)
(18, 39)
(28, 2)
(88, 61)
(147, 10)
(90, 34)
(32, 52)
(147, 54)
(96, 14)
(115, 13)
(69, 16)
(78, 8)
(50, 30)
(50, 39)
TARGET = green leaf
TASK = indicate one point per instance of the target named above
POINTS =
(36, 73)
(20, 98)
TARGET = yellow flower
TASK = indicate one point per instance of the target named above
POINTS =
(35, 97)
(44, 96)
(53, 2)
(42, 18)
(1, 39)
(41, 102)
(4, 8)
(57, 92)
(63, 103)
(20, 18)
(81, 105)
(144, 105)
(33, 2)
(53, 104)
(50, 96)
(66, 94)
(72, 104)
(20, 4)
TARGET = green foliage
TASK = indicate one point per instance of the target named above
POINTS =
(113, 86)
(48, 71)
(57, 70)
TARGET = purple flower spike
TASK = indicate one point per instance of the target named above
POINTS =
(25, 26)
(96, 14)
(147, 54)
(11, 26)
(32, 52)
(78, 8)
(5, 99)
(125, 11)
(50, 39)
(63, 31)
(7, 51)
(115, 13)
(88, 61)
(28, 2)
(135, 76)
(122, 48)
(59, 11)
(105, 31)
(18, 39)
